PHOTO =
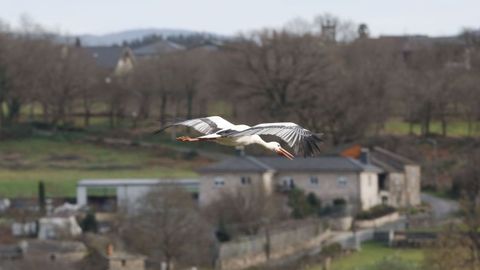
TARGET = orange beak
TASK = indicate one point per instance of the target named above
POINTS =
(285, 153)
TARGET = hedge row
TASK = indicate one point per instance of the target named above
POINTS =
(375, 212)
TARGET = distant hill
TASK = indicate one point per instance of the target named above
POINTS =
(118, 38)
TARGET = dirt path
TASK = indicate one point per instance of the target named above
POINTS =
(442, 208)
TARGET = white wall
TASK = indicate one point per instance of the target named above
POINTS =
(368, 186)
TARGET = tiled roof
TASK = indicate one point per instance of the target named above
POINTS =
(159, 47)
(106, 57)
(316, 164)
(388, 160)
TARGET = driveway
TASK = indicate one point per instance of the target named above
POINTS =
(441, 208)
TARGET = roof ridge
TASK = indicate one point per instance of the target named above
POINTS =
(358, 164)
(383, 164)
(393, 155)
(259, 163)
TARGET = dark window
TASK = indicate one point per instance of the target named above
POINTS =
(246, 180)
(382, 181)
(124, 263)
(313, 180)
(342, 181)
(288, 183)
(219, 181)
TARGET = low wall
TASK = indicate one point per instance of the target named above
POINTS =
(341, 223)
(270, 246)
(371, 223)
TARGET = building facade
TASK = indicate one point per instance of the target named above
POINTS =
(399, 181)
(329, 178)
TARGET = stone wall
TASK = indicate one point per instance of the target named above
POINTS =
(363, 224)
(271, 246)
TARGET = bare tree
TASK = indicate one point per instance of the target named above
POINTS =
(277, 69)
(168, 228)
(247, 210)
(459, 245)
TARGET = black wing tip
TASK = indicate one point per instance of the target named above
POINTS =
(311, 145)
(161, 129)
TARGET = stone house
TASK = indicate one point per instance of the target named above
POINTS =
(55, 252)
(399, 181)
(328, 177)
(120, 260)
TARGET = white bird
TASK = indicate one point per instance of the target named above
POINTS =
(223, 132)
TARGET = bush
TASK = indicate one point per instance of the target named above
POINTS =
(303, 206)
(339, 202)
(190, 155)
(16, 131)
(89, 223)
(375, 212)
(331, 250)
(222, 233)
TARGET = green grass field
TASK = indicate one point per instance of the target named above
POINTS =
(372, 253)
(455, 128)
(61, 163)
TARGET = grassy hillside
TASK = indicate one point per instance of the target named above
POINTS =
(61, 163)
(372, 253)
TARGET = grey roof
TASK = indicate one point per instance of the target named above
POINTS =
(135, 182)
(237, 164)
(10, 252)
(41, 246)
(280, 164)
(163, 46)
(388, 160)
(106, 57)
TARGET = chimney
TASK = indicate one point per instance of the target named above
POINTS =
(109, 250)
(365, 156)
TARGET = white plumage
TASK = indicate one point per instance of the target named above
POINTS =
(223, 132)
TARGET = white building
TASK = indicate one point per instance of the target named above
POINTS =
(128, 191)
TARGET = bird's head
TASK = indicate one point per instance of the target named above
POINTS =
(276, 147)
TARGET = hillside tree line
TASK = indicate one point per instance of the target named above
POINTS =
(328, 75)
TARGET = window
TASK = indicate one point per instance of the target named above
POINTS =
(219, 182)
(245, 180)
(288, 183)
(124, 263)
(342, 181)
(313, 180)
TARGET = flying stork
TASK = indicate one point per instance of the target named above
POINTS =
(221, 131)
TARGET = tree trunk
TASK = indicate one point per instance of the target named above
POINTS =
(410, 127)
(163, 109)
(14, 107)
(190, 95)
(444, 126)
(2, 115)
(469, 126)
(86, 117)
(45, 112)
(111, 115)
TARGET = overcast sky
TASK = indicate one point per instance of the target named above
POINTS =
(432, 17)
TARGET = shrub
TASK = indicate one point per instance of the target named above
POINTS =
(331, 250)
(375, 212)
(302, 206)
(89, 223)
(222, 233)
(190, 155)
(339, 202)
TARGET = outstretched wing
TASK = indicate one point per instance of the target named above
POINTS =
(205, 125)
(301, 140)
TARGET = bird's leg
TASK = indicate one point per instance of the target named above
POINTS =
(187, 139)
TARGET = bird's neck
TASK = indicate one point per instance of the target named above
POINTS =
(260, 141)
